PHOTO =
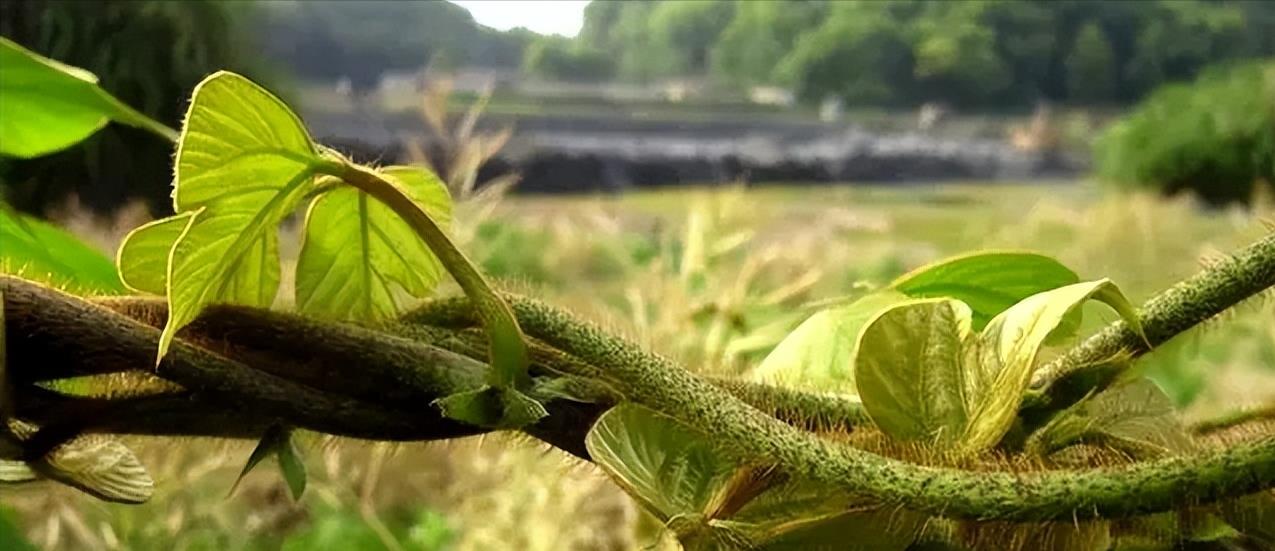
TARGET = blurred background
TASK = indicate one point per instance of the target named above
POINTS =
(698, 175)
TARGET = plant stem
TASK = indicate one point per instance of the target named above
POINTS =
(1102, 358)
(658, 383)
(508, 352)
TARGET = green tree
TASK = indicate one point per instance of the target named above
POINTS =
(759, 36)
(859, 54)
(1091, 67)
(559, 58)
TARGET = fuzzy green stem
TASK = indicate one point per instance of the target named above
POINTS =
(657, 383)
(508, 352)
(1100, 359)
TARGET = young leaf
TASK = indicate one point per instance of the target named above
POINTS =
(1134, 416)
(1003, 359)
(277, 441)
(244, 162)
(99, 466)
(922, 377)
(818, 354)
(507, 351)
(292, 467)
(49, 106)
(356, 250)
(989, 282)
(668, 468)
(910, 370)
(38, 250)
(143, 255)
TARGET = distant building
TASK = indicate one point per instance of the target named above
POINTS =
(772, 95)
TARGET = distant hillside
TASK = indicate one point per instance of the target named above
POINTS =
(325, 41)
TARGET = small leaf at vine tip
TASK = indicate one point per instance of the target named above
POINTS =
(667, 467)
(37, 250)
(142, 258)
(99, 466)
(275, 438)
(989, 282)
(819, 353)
(292, 467)
(244, 163)
(49, 106)
(909, 369)
(1135, 417)
(492, 407)
(357, 252)
(1001, 362)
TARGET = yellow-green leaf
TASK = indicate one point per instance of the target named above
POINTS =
(910, 370)
(142, 258)
(358, 253)
(668, 468)
(244, 163)
(1003, 359)
(818, 354)
(923, 376)
(48, 106)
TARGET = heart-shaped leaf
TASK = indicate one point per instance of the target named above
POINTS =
(818, 353)
(49, 106)
(922, 376)
(910, 370)
(244, 162)
(989, 282)
(357, 252)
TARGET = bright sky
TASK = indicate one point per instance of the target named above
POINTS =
(562, 17)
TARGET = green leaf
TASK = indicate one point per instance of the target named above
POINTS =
(244, 162)
(277, 441)
(1006, 355)
(668, 468)
(40, 251)
(922, 377)
(494, 407)
(910, 370)
(292, 467)
(989, 282)
(1134, 416)
(819, 353)
(143, 255)
(49, 106)
(357, 252)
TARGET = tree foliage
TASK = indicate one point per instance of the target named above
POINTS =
(974, 52)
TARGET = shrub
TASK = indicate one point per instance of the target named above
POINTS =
(1214, 137)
